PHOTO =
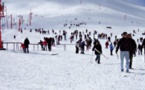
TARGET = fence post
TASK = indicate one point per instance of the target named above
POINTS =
(14, 46)
(33, 47)
(7, 45)
(17, 46)
(37, 47)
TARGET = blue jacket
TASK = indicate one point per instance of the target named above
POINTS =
(111, 47)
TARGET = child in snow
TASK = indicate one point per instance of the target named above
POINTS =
(23, 47)
(111, 49)
(44, 45)
(107, 44)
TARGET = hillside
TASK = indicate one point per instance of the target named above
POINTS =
(64, 69)
(53, 14)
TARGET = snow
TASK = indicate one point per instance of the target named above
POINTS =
(40, 70)
(67, 71)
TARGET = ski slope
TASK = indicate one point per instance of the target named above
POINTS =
(40, 70)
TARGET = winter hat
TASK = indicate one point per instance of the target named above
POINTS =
(124, 33)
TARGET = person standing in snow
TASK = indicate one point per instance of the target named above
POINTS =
(49, 43)
(111, 49)
(82, 45)
(107, 44)
(44, 43)
(143, 45)
(124, 46)
(132, 50)
(139, 49)
(77, 46)
(26, 44)
(97, 48)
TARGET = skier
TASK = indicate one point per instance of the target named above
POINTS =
(98, 50)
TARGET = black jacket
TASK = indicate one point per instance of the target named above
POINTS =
(124, 44)
(97, 47)
(133, 46)
(49, 41)
(143, 43)
(26, 43)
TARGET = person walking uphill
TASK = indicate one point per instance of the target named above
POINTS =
(26, 43)
(124, 45)
(98, 50)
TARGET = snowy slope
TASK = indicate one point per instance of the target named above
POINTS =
(51, 14)
(40, 70)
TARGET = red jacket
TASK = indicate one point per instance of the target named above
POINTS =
(44, 43)
(22, 46)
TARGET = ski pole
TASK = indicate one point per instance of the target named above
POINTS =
(101, 53)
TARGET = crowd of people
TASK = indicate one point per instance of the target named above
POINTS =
(127, 45)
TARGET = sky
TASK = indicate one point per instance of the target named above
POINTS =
(136, 2)
(69, 2)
